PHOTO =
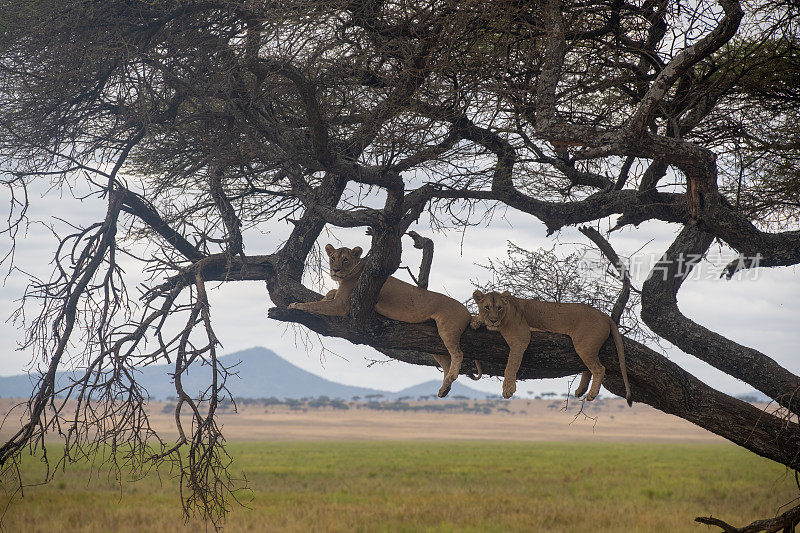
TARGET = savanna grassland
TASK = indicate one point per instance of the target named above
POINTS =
(435, 486)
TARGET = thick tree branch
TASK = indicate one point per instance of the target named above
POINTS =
(382, 261)
(660, 312)
(654, 379)
(682, 62)
(547, 83)
(135, 205)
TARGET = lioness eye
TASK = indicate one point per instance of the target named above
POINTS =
(486, 307)
(499, 308)
(344, 260)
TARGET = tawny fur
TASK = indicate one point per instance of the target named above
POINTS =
(515, 317)
(397, 300)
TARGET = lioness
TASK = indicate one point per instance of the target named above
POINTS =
(397, 300)
(515, 317)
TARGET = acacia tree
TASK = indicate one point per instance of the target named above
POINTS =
(197, 121)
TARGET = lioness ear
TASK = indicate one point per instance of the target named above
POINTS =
(357, 251)
(506, 295)
(478, 295)
(329, 249)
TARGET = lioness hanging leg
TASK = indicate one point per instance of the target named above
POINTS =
(586, 376)
(444, 363)
(598, 372)
(450, 331)
(517, 347)
(451, 342)
(588, 347)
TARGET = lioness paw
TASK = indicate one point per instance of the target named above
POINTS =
(444, 390)
(295, 305)
(509, 388)
(475, 322)
(331, 295)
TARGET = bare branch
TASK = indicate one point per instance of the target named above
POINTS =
(608, 251)
(785, 521)
(426, 245)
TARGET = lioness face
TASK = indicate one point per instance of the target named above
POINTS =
(492, 308)
(342, 261)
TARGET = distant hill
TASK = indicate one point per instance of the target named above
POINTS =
(261, 374)
(15, 386)
(431, 388)
(754, 396)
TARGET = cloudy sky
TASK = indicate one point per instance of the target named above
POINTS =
(759, 308)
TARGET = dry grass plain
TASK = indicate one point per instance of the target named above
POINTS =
(528, 465)
(606, 420)
(517, 420)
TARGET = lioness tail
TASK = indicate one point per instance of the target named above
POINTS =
(622, 365)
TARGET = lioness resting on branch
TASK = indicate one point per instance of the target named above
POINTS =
(515, 317)
(397, 300)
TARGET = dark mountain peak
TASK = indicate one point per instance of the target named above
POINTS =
(260, 373)
(430, 388)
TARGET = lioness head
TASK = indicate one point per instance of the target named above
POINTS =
(343, 261)
(492, 307)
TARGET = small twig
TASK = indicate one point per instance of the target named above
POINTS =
(708, 520)
(408, 269)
